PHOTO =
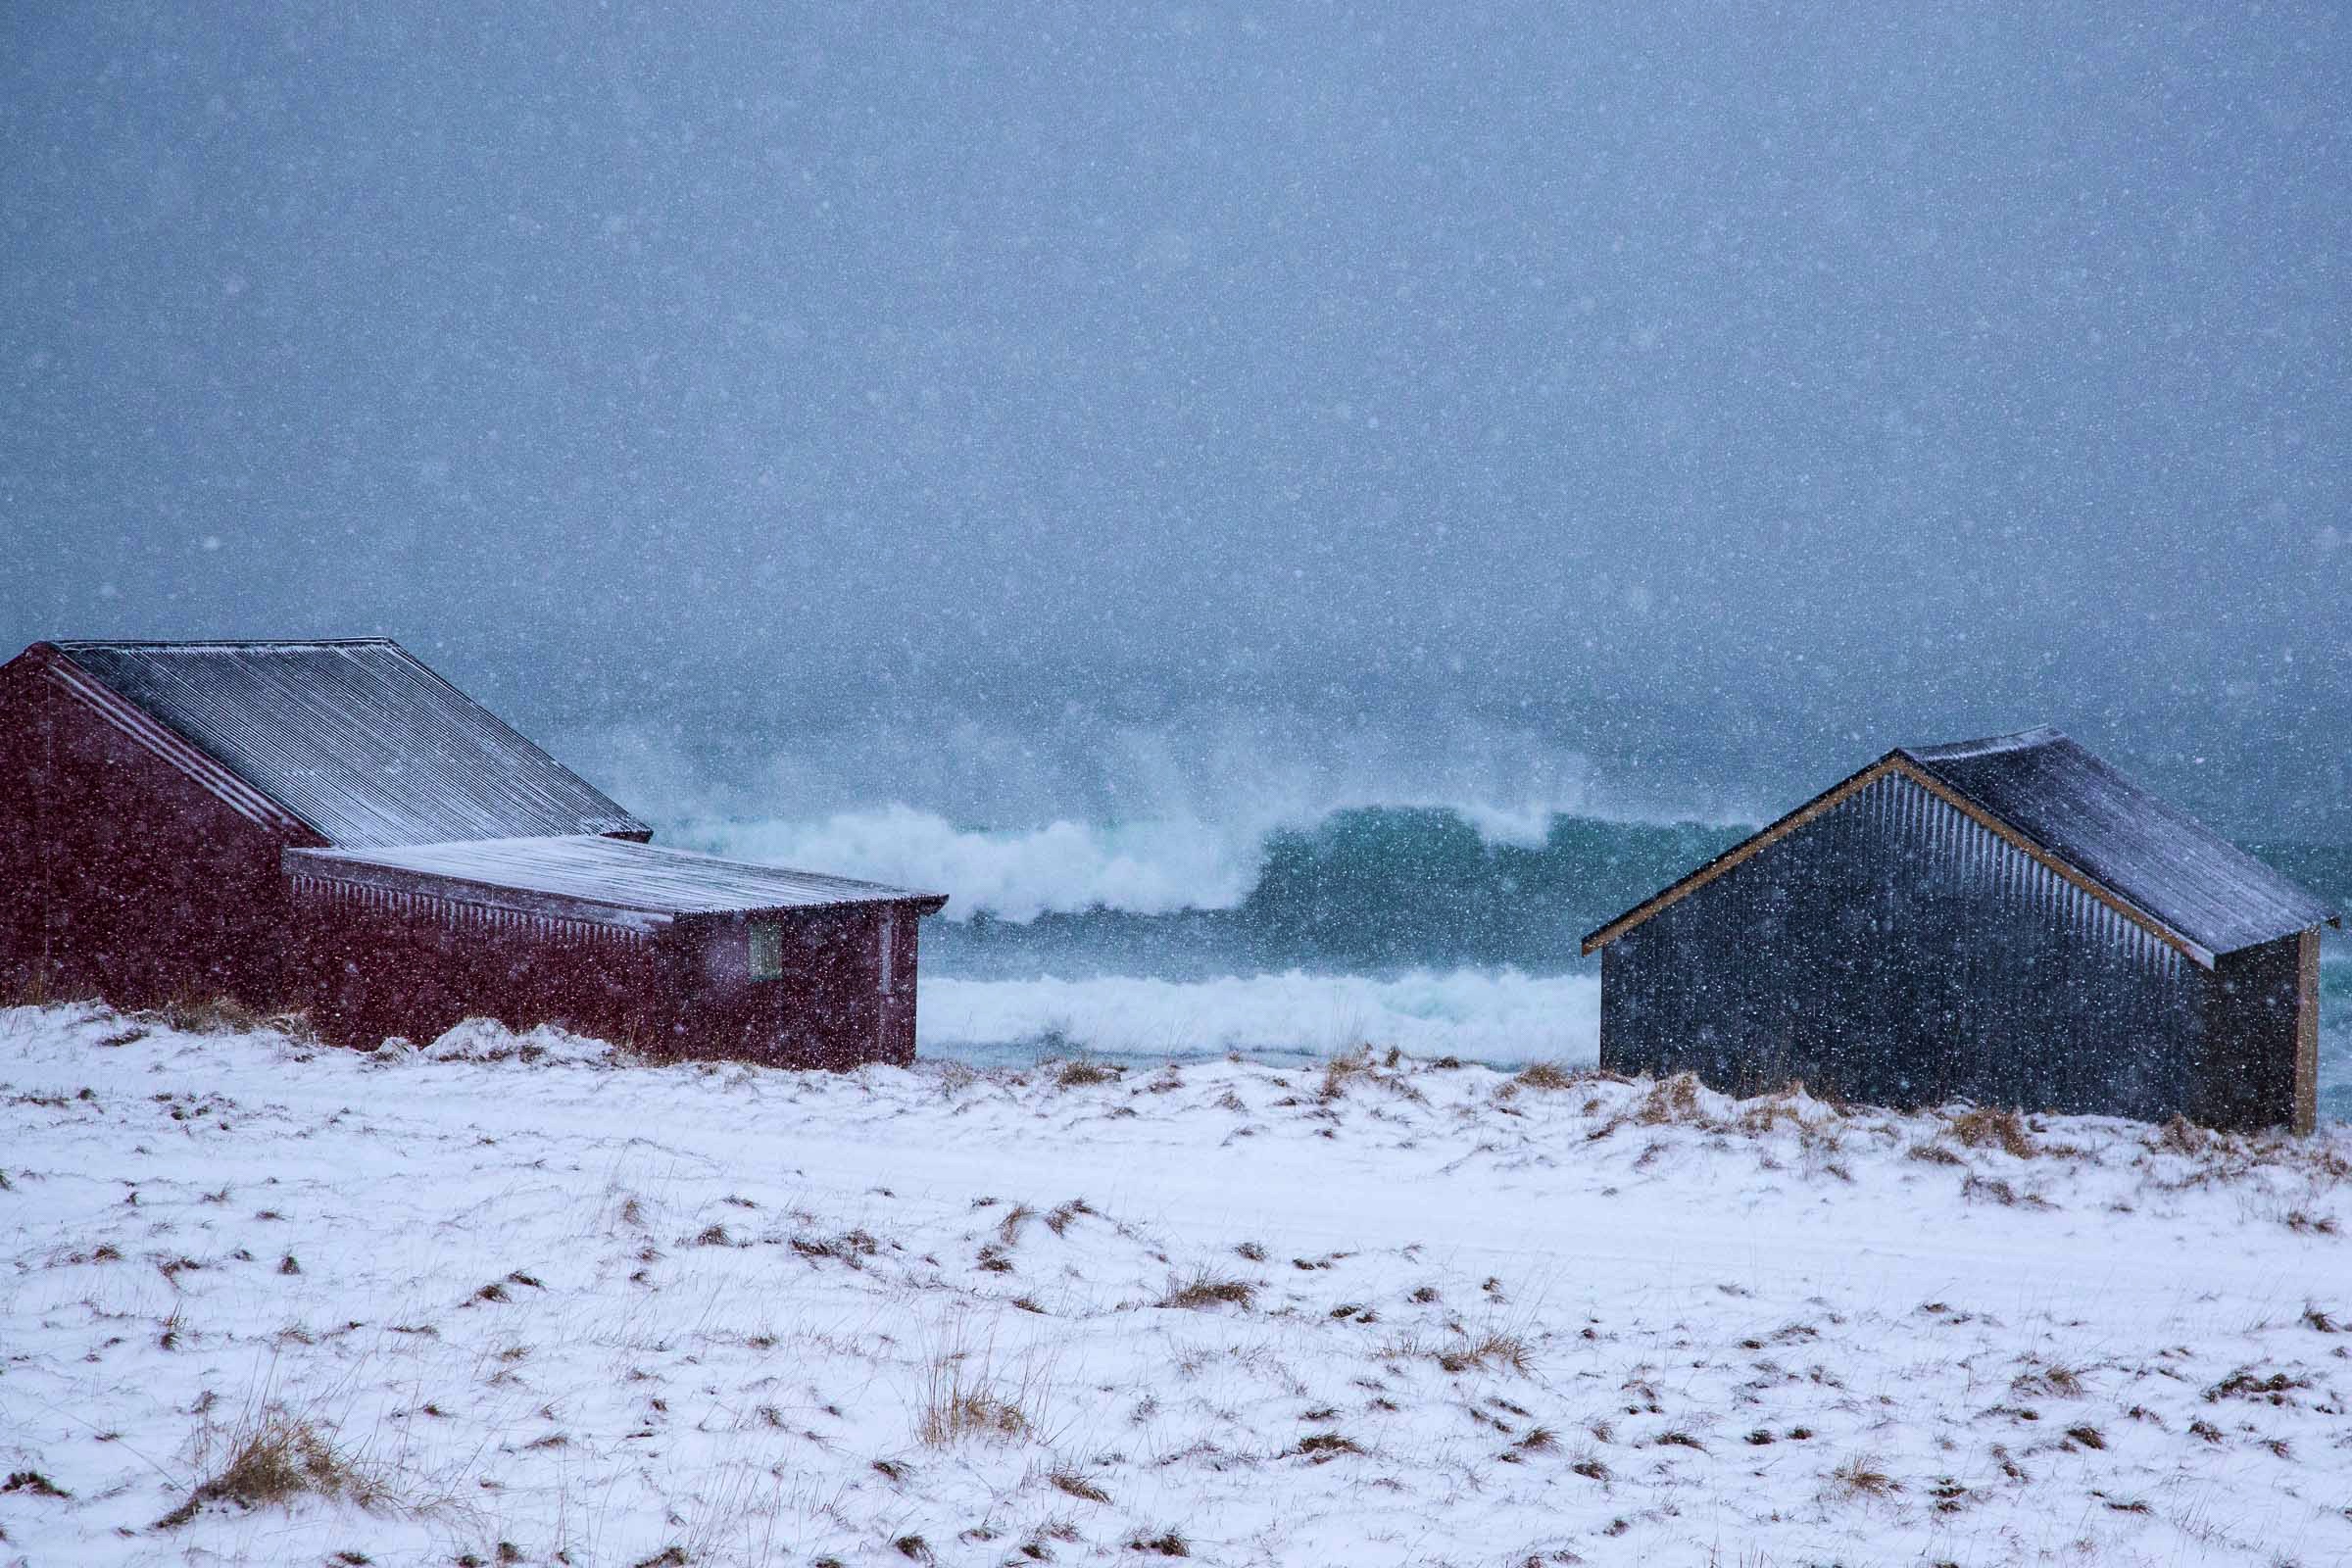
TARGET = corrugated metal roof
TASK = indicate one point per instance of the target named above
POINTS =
(358, 739)
(616, 874)
(2152, 863)
(2098, 821)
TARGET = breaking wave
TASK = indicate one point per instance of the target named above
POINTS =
(1389, 862)
(1152, 867)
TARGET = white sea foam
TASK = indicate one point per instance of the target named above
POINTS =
(1084, 812)
(1142, 868)
(1500, 1017)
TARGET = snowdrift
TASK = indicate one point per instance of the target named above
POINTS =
(503, 1298)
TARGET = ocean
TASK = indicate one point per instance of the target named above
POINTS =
(1440, 930)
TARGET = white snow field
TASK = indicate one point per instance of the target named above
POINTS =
(507, 1299)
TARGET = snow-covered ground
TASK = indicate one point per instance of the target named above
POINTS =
(507, 1301)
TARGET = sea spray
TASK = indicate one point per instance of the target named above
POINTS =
(1498, 1017)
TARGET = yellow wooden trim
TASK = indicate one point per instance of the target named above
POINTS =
(2307, 1034)
(2200, 956)
(1893, 762)
(1737, 852)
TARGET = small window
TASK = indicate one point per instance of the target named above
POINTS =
(767, 952)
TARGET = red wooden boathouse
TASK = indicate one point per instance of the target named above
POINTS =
(331, 826)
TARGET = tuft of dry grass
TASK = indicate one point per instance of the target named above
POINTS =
(226, 1015)
(1059, 1218)
(1167, 1544)
(1083, 1071)
(2242, 1384)
(275, 1457)
(1996, 1189)
(1674, 1102)
(1984, 1127)
(958, 1412)
(1077, 1485)
(1493, 1348)
(1546, 1075)
(1339, 1069)
(1205, 1290)
(2052, 1381)
(208, 1015)
(1323, 1446)
(2181, 1136)
(1861, 1477)
(34, 1481)
(966, 1399)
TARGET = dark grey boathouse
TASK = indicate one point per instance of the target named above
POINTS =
(2008, 921)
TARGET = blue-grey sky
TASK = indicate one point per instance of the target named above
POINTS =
(1717, 391)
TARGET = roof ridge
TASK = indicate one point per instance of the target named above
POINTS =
(355, 738)
(154, 643)
(1985, 745)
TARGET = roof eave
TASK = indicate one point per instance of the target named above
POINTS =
(1762, 838)
(1899, 762)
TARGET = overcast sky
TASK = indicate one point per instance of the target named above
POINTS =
(1703, 388)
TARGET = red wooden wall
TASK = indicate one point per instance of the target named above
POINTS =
(129, 871)
(368, 964)
(133, 869)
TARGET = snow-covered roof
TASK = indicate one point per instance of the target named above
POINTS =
(587, 873)
(357, 739)
(2049, 798)
(2152, 853)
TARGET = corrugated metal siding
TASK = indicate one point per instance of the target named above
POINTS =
(313, 894)
(628, 879)
(1895, 950)
(358, 739)
(2153, 854)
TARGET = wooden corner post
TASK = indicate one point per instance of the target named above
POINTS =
(2307, 1034)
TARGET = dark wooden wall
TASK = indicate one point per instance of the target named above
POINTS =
(2246, 1077)
(122, 874)
(367, 964)
(1895, 951)
(832, 1008)
(126, 875)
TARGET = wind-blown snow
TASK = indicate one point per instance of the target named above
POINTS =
(1149, 867)
(1494, 1016)
(559, 1309)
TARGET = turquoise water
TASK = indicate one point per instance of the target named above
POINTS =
(1382, 891)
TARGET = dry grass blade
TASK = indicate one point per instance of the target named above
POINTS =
(1494, 1348)
(1861, 1476)
(966, 1400)
(1984, 1127)
(277, 1457)
(35, 1482)
(1674, 1100)
(1205, 1290)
